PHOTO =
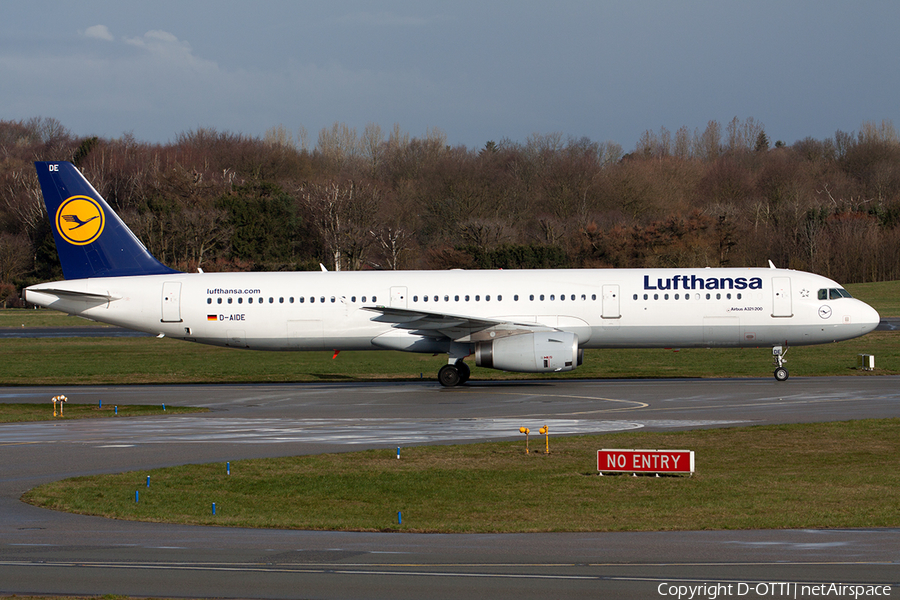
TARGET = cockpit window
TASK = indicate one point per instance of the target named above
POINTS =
(833, 294)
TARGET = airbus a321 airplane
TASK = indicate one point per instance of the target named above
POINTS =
(532, 321)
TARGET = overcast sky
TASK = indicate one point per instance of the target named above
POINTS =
(477, 70)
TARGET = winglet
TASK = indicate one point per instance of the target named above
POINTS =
(92, 241)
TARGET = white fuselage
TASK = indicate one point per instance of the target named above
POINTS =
(605, 308)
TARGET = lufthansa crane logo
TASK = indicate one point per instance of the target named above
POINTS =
(80, 220)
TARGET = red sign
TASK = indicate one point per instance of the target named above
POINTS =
(645, 461)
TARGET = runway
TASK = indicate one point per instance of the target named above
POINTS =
(54, 553)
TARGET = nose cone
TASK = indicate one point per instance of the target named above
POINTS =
(866, 317)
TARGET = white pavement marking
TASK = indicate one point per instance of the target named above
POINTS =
(110, 433)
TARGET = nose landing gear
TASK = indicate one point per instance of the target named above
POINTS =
(778, 352)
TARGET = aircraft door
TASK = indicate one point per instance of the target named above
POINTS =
(781, 297)
(398, 297)
(611, 302)
(171, 302)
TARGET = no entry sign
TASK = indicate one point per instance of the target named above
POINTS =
(645, 461)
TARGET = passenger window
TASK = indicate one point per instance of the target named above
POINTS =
(353, 299)
(487, 298)
(553, 296)
(456, 298)
(209, 300)
(281, 300)
(415, 298)
(531, 297)
(542, 297)
(707, 296)
(230, 301)
(676, 296)
(516, 298)
(477, 297)
(467, 297)
(646, 297)
(374, 299)
(250, 300)
(302, 299)
(363, 298)
(271, 300)
(435, 298)
(499, 298)
(656, 296)
(446, 298)
(665, 296)
(240, 300)
(635, 296)
(593, 296)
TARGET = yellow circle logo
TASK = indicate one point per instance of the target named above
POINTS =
(80, 220)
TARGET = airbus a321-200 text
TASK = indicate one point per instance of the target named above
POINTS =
(531, 321)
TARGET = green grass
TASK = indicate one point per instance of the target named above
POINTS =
(18, 413)
(116, 361)
(31, 317)
(785, 476)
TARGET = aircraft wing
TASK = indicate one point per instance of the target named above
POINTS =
(458, 328)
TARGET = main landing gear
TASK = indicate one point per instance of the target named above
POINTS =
(454, 373)
(781, 374)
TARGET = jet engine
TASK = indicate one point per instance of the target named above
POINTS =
(538, 352)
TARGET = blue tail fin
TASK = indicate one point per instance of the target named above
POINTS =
(90, 238)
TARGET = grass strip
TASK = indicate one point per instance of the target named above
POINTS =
(119, 361)
(823, 475)
(18, 413)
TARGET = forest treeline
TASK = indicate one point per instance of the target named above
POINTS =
(721, 196)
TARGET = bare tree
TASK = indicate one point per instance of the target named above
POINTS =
(707, 145)
(372, 143)
(15, 256)
(395, 244)
(339, 145)
(22, 198)
(343, 213)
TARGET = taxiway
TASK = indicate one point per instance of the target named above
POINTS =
(55, 553)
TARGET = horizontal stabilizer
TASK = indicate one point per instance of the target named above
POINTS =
(73, 294)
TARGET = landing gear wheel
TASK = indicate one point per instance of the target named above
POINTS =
(464, 372)
(781, 374)
(449, 376)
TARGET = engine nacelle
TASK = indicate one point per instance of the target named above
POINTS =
(538, 352)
